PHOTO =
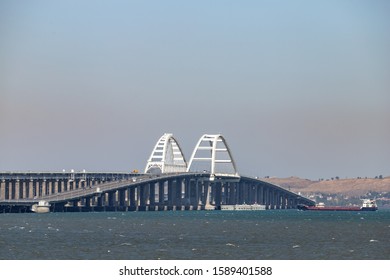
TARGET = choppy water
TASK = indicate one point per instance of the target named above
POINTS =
(279, 234)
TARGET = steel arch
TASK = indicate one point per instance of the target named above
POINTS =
(210, 144)
(166, 156)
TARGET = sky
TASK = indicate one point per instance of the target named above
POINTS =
(297, 88)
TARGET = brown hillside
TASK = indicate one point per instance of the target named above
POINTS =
(351, 187)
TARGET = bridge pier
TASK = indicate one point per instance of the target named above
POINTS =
(143, 195)
(2, 189)
(284, 202)
(171, 192)
(122, 198)
(273, 199)
(276, 200)
(7, 190)
(152, 194)
(100, 201)
(197, 200)
(267, 197)
(87, 202)
(246, 196)
(217, 194)
(131, 191)
(16, 189)
(58, 186)
(188, 187)
(161, 194)
(179, 193)
(111, 200)
(232, 193)
(276, 197)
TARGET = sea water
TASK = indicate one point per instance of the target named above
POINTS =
(196, 235)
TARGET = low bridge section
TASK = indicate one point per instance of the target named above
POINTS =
(70, 192)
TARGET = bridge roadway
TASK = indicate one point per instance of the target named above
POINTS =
(148, 192)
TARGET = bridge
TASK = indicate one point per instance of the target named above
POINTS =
(208, 181)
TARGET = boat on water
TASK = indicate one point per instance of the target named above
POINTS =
(41, 207)
(368, 205)
(243, 207)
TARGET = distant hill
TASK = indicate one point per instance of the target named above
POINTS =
(348, 187)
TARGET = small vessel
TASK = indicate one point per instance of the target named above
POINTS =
(242, 207)
(368, 205)
(41, 207)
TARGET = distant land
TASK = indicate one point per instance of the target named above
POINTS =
(338, 191)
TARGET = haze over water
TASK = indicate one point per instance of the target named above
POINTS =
(274, 234)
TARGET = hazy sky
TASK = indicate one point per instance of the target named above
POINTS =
(298, 88)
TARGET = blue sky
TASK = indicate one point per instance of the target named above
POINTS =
(298, 88)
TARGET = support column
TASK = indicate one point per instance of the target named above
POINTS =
(132, 199)
(45, 187)
(284, 202)
(100, 201)
(241, 197)
(199, 195)
(61, 186)
(224, 193)
(87, 203)
(28, 193)
(187, 192)
(274, 199)
(240, 193)
(193, 193)
(178, 193)
(267, 197)
(253, 195)
(2, 189)
(248, 194)
(24, 189)
(138, 194)
(261, 195)
(111, 199)
(208, 189)
(39, 188)
(249, 197)
(152, 194)
(11, 189)
(218, 193)
(161, 193)
(76, 184)
(171, 193)
(70, 185)
(232, 193)
(56, 186)
(271, 201)
(49, 187)
(15, 189)
(144, 195)
(7, 189)
(278, 200)
(122, 198)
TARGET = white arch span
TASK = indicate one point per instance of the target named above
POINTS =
(166, 157)
(213, 154)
